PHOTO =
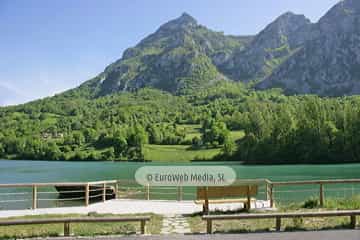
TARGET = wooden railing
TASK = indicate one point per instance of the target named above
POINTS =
(85, 185)
(278, 216)
(269, 189)
(67, 221)
(321, 183)
(145, 192)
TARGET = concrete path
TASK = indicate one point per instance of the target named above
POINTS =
(120, 206)
(320, 235)
(175, 224)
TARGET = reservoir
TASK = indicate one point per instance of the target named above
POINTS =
(59, 171)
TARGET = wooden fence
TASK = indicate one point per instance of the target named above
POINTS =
(84, 191)
(278, 216)
(129, 188)
(321, 183)
(67, 221)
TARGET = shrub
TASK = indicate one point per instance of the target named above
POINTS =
(311, 203)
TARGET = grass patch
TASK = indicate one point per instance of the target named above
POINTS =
(191, 136)
(190, 128)
(343, 204)
(172, 153)
(78, 229)
(191, 131)
(237, 135)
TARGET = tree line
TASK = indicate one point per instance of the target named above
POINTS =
(278, 128)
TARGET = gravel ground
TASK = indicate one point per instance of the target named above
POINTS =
(128, 207)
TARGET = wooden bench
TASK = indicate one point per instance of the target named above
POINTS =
(217, 195)
(67, 221)
(278, 216)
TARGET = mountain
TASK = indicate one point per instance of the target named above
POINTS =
(269, 48)
(290, 53)
(179, 56)
(329, 62)
(185, 79)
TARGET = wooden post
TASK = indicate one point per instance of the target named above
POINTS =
(206, 202)
(271, 196)
(179, 193)
(353, 221)
(267, 192)
(248, 204)
(148, 192)
(209, 226)
(66, 229)
(34, 197)
(278, 224)
(116, 190)
(206, 206)
(321, 195)
(142, 226)
(104, 192)
(87, 189)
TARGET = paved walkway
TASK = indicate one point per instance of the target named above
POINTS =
(320, 235)
(120, 206)
(175, 224)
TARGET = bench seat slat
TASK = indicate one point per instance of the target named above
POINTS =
(73, 220)
(282, 215)
(220, 201)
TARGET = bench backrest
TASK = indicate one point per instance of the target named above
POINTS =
(226, 191)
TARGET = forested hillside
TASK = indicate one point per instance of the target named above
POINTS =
(277, 128)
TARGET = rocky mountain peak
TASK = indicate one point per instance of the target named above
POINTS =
(327, 64)
(291, 53)
(289, 16)
(283, 27)
(187, 18)
(343, 17)
(269, 48)
(289, 20)
(182, 22)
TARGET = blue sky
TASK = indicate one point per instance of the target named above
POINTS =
(48, 46)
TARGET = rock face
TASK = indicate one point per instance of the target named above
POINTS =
(329, 62)
(177, 57)
(291, 53)
(269, 48)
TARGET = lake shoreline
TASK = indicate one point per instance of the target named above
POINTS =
(185, 162)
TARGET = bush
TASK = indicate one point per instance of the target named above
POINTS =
(311, 203)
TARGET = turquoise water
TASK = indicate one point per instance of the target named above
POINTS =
(50, 171)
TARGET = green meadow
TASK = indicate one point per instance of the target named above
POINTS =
(178, 153)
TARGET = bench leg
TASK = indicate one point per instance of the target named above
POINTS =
(353, 221)
(209, 226)
(206, 207)
(278, 224)
(142, 227)
(66, 229)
